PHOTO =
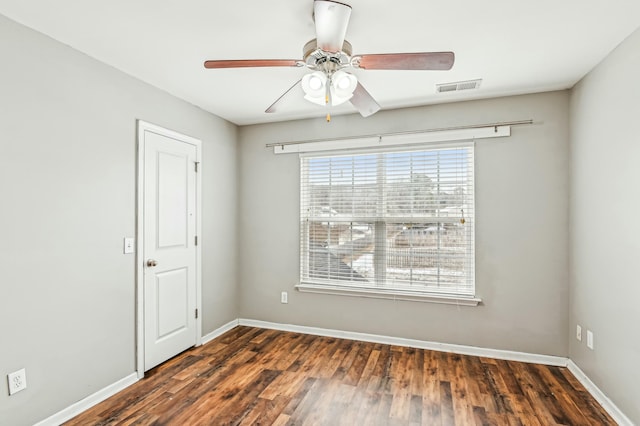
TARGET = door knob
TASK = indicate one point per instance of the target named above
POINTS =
(151, 263)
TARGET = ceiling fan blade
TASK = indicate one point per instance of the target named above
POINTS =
(364, 102)
(406, 61)
(331, 19)
(274, 106)
(249, 63)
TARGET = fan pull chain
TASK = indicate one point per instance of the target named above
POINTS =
(462, 220)
(327, 99)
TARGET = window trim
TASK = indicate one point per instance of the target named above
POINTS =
(379, 292)
(392, 294)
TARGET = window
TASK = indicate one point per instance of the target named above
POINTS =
(389, 222)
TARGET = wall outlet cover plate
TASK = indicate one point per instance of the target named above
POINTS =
(17, 381)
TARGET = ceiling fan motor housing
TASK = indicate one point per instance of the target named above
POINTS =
(318, 59)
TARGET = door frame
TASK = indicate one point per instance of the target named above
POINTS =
(142, 127)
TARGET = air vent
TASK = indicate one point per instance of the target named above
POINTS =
(458, 86)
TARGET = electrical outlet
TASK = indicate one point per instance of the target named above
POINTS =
(590, 339)
(284, 297)
(17, 381)
(579, 333)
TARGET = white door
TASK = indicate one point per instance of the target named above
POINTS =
(169, 257)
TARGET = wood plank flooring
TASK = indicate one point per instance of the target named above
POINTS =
(252, 376)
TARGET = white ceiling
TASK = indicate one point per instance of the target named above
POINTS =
(514, 46)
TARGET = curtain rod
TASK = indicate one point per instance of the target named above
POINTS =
(412, 132)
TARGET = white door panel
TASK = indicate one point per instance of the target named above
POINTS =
(172, 296)
(169, 250)
(172, 198)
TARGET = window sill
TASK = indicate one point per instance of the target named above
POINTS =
(388, 294)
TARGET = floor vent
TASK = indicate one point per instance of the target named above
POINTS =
(458, 86)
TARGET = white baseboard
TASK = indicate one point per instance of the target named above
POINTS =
(420, 344)
(219, 331)
(598, 395)
(88, 402)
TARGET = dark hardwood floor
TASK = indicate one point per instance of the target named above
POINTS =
(252, 376)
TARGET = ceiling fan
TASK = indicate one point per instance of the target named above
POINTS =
(329, 55)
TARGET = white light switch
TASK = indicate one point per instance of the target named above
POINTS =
(129, 245)
(590, 339)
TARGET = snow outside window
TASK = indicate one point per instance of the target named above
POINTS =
(397, 221)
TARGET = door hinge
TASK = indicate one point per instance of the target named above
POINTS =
(196, 240)
(197, 163)
(196, 313)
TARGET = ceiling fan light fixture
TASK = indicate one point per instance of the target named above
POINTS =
(343, 82)
(314, 86)
(315, 83)
(342, 86)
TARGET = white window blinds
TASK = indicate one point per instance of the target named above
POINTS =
(401, 220)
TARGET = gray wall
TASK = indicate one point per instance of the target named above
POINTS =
(605, 206)
(67, 194)
(521, 233)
